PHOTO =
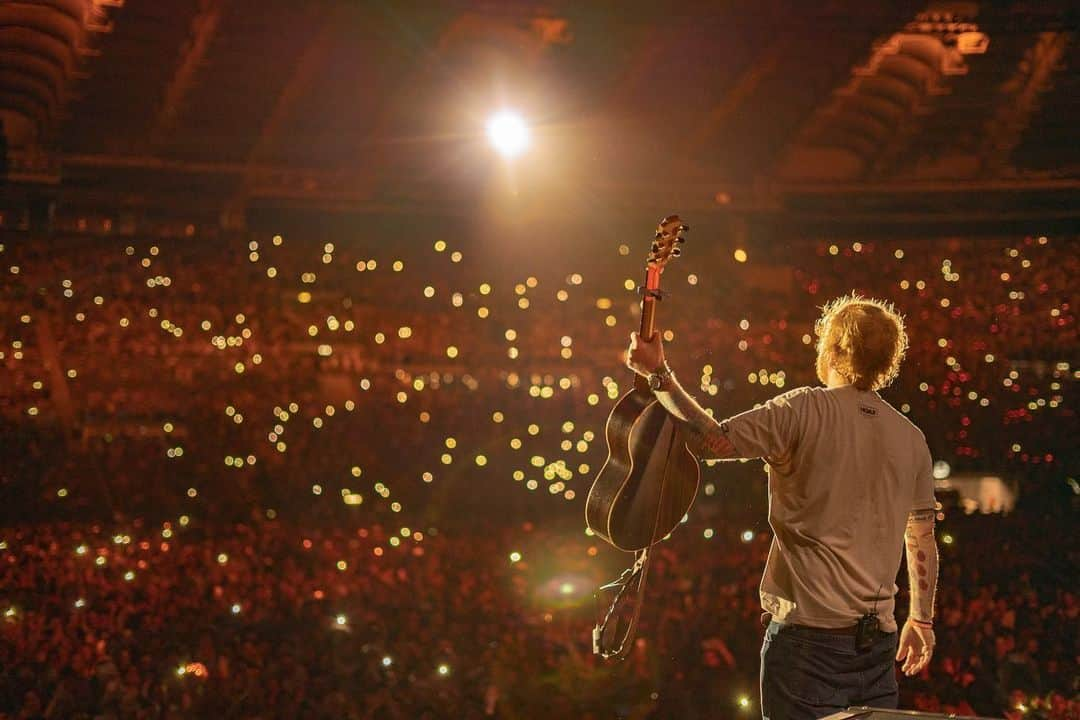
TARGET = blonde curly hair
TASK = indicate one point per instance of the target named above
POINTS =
(862, 339)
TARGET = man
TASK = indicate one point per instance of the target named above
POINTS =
(850, 484)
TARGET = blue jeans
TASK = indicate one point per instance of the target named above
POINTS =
(809, 673)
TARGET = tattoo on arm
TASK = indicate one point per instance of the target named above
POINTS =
(706, 436)
(711, 442)
(921, 516)
(922, 562)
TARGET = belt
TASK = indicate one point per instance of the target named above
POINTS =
(850, 630)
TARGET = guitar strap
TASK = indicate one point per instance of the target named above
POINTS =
(603, 640)
(604, 631)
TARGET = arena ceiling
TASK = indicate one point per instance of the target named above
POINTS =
(769, 106)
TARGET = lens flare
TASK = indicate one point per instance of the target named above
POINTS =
(508, 133)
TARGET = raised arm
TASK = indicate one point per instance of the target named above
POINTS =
(917, 638)
(768, 431)
(706, 437)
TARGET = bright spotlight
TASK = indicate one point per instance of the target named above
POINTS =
(508, 133)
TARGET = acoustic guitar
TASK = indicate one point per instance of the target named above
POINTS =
(650, 478)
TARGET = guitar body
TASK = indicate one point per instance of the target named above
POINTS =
(650, 478)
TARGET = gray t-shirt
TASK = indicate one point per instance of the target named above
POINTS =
(845, 469)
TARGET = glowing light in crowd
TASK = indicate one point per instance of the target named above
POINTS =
(508, 133)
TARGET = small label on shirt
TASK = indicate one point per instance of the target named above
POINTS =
(867, 410)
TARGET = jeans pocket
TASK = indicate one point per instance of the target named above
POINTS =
(881, 687)
(801, 671)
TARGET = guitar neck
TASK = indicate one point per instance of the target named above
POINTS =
(648, 315)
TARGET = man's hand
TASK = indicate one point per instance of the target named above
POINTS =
(645, 356)
(916, 647)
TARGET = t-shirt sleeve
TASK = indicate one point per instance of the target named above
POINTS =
(924, 478)
(770, 430)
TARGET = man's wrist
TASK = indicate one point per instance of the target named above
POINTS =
(661, 378)
(922, 623)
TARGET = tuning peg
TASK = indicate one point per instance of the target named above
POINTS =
(680, 239)
(659, 234)
(684, 228)
(676, 252)
(655, 247)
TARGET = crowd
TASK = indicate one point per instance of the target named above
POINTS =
(315, 460)
(261, 619)
(256, 323)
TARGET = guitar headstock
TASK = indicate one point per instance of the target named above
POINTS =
(670, 234)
